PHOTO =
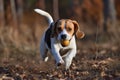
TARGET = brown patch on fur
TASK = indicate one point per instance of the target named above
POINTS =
(71, 26)
(64, 51)
(79, 34)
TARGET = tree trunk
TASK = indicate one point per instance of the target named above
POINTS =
(20, 10)
(55, 10)
(41, 4)
(109, 14)
(15, 32)
(14, 15)
(2, 18)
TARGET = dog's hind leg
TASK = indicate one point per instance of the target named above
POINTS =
(43, 50)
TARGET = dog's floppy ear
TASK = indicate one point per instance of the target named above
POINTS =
(79, 34)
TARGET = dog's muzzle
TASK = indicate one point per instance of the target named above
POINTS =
(63, 37)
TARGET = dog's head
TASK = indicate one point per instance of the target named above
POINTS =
(65, 29)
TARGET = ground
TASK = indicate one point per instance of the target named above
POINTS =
(94, 61)
(98, 58)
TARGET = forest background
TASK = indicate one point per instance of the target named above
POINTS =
(21, 29)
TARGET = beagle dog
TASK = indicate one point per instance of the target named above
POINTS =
(61, 30)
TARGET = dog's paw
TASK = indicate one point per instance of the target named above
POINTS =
(68, 62)
(60, 63)
(45, 59)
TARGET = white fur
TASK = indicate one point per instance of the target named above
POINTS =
(47, 15)
(56, 46)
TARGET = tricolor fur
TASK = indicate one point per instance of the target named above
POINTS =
(63, 29)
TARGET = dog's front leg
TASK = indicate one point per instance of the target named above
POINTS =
(69, 58)
(55, 52)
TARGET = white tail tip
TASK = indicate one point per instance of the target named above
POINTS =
(44, 13)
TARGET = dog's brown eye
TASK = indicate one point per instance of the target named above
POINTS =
(69, 29)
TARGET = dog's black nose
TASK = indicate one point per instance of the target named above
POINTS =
(63, 36)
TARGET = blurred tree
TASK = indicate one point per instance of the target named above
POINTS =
(2, 20)
(20, 9)
(109, 14)
(14, 14)
(76, 9)
(15, 32)
(55, 10)
(29, 4)
(41, 4)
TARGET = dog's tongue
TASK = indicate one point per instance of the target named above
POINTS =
(65, 43)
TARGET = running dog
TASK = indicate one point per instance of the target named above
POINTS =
(59, 39)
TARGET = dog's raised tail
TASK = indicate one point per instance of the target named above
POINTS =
(46, 14)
